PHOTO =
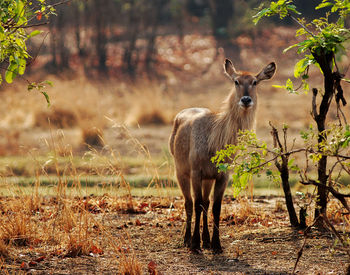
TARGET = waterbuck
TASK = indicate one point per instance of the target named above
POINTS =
(197, 134)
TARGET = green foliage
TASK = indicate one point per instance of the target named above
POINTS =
(15, 19)
(245, 159)
(40, 87)
(322, 37)
(336, 143)
(281, 7)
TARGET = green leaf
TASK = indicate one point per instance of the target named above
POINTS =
(260, 15)
(34, 33)
(279, 86)
(9, 76)
(22, 66)
(301, 66)
(48, 82)
(47, 98)
(293, 9)
(11, 72)
(223, 167)
(323, 5)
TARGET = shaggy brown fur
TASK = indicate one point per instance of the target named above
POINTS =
(197, 134)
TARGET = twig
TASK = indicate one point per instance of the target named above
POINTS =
(339, 110)
(346, 245)
(33, 25)
(280, 155)
(300, 252)
(301, 25)
(341, 197)
(37, 53)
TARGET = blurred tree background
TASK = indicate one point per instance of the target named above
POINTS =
(122, 37)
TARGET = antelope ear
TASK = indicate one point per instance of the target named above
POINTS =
(267, 72)
(230, 69)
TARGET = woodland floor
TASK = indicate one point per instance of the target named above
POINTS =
(255, 235)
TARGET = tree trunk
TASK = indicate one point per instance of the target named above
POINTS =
(130, 52)
(325, 61)
(287, 193)
(284, 173)
(53, 52)
(149, 59)
(101, 36)
(62, 49)
(221, 13)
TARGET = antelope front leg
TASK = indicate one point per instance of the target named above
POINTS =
(207, 185)
(189, 210)
(198, 205)
(219, 189)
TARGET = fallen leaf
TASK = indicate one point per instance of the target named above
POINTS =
(24, 266)
(152, 266)
(33, 263)
(143, 205)
(40, 259)
(274, 253)
(95, 250)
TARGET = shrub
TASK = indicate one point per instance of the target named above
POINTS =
(92, 137)
(57, 117)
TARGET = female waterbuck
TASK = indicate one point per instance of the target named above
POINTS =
(197, 134)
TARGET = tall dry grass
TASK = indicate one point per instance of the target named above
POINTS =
(69, 223)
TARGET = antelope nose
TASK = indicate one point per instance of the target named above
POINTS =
(246, 100)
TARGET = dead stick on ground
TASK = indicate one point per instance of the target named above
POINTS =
(345, 245)
(300, 252)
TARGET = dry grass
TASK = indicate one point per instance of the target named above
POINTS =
(154, 105)
(128, 263)
(67, 226)
(4, 250)
(56, 117)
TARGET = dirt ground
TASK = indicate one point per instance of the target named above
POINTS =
(255, 235)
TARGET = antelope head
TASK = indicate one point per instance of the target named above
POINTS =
(245, 83)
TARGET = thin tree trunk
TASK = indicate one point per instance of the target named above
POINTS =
(325, 62)
(149, 59)
(284, 172)
(130, 53)
(101, 36)
(221, 13)
(62, 49)
(287, 193)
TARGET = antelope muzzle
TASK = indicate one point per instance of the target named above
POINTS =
(246, 102)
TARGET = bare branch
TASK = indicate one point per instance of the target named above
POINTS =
(314, 106)
(345, 244)
(300, 252)
(341, 197)
(301, 25)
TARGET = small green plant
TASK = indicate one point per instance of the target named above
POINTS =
(247, 158)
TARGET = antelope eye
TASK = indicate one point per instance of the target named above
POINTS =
(254, 82)
(236, 82)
